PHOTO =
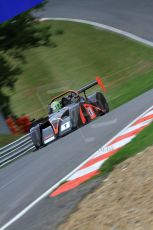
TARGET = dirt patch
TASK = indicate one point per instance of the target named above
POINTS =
(123, 201)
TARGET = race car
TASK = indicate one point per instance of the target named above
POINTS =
(67, 112)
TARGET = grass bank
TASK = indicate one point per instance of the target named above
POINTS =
(82, 52)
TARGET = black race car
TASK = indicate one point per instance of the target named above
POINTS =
(76, 111)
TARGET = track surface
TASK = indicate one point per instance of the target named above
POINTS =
(27, 178)
(133, 16)
(24, 180)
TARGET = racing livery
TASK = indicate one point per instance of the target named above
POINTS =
(75, 111)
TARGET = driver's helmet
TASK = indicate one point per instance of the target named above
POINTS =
(56, 106)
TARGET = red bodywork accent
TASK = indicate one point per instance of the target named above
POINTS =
(100, 83)
(90, 111)
(74, 183)
(55, 125)
(98, 109)
(83, 119)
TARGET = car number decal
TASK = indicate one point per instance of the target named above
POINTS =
(65, 126)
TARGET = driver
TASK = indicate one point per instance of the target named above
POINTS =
(56, 106)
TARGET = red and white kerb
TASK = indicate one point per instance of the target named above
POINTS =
(91, 167)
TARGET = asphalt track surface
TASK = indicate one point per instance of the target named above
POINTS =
(134, 16)
(27, 178)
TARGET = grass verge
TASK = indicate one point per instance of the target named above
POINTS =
(138, 144)
(82, 52)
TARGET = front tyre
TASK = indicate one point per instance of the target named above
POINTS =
(36, 136)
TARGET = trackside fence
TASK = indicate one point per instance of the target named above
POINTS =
(16, 149)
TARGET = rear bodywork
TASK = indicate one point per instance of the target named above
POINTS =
(76, 111)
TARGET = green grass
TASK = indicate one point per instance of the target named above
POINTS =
(139, 143)
(82, 52)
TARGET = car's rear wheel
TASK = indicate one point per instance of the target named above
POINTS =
(101, 102)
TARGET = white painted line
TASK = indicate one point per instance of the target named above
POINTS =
(85, 171)
(105, 27)
(36, 201)
(103, 151)
(123, 142)
(150, 113)
(138, 126)
(114, 146)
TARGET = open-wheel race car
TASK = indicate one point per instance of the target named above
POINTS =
(67, 112)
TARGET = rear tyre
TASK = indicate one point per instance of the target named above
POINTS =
(101, 102)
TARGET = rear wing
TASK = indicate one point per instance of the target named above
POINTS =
(98, 81)
(83, 89)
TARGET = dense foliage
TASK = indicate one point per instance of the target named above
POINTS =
(22, 32)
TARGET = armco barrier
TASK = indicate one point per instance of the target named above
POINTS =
(15, 149)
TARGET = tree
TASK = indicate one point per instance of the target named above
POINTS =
(20, 33)
(23, 32)
(8, 76)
